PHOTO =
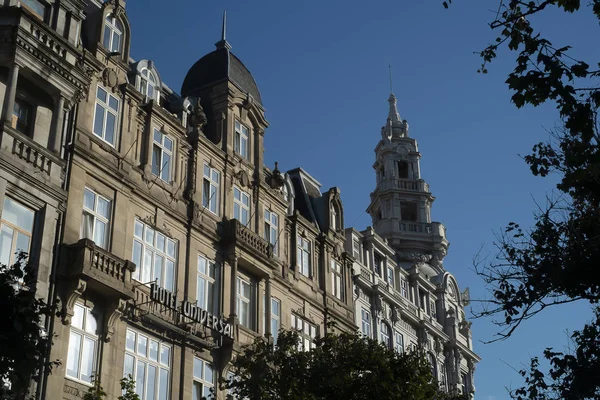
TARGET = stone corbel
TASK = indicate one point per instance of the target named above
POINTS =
(72, 293)
(117, 309)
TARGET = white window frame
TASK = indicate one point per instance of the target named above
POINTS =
(17, 231)
(106, 109)
(241, 140)
(115, 27)
(432, 309)
(365, 318)
(248, 319)
(201, 379)
(207, 280)
(390, 276)
(149, 84)
(142, 355)
(337, 280)
(96, 218)
(210, 189)
(149, 243)
(303, 256)
(272, 229)
(398, 342)
(87, 334)
(239, 197)
(275, 316)
(307, 332)
(165, 169)
(334, 217)
(404, 288)
(385, 335)
(357, 250)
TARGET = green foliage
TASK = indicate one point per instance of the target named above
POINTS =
(23, 343)
(555, 261)
(342, 366)
(96, 392)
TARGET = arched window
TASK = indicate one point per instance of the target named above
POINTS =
(113, 34)
(386, 336)
(432, 362)
(149, 84)
(333, 218)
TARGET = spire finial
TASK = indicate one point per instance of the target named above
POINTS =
(223, 43)
(391, 86)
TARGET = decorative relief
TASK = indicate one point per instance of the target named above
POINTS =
(73, 391)
(110, 78)
(72, 293)
(119, 309)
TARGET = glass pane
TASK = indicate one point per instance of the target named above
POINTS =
(210, 297)
(201, 292)
(77, 319)
(156, 152)
(208, 373)
(170, 248)
(107, 35)
(100, 234)
(150, 236)
(87, 225)
(130, 340)
(111, 124)
(138, 229)
(116, 44)
(6, 245)
(158, 270)
(165, 174)
(206, 392)
(128, 365)
(137, 257)
(198, 367)
(163, 385)
(36, 6)
(87, 359)
(142, 345)
(147, 268)
(275, 307)
(168, 144)
(74, 353)
(206, 171)
(22, 243)
(150, 91)
(213, 199)
(91, 323)
(101, 94)
(89, 199)
(140, 378)
(197, 391)
(18, 215)
(103, 207)
(157, 136)
(169, 276)
(202, 265)
(99, 120)
(165, 355)
(215, 176)
(151, 386)
(153, 350)
(160, 242)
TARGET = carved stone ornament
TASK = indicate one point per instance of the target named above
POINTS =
(438, 257)
(110, 77)
(243, 178)
(118, 310)
(337, 250)
(395, 314)
(415, 257)
(72, 293)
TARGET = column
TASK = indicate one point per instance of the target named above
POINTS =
(11, 92)
(58, 117)
(260, 299)
(233, 261)
(268, 310)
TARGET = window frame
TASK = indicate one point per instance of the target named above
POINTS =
(398, 342)
(337, 280)
(404, 290)
(163, 151)
(302, 254)
(239, 207)
(201, 380)
(241, 135)
(149, 79)
(140, 274)
(208, 281)
(96, 217)
(357, 250)
(209, 183)
(249, 321)
(84, 334)
(275, 317)
(390, 276)
(388, 335)
(106, 109)
(114, 26)
(26, 125)
(27, 5)
(148, 361)
(365, 322)
(306, 335)
(16, 231)
(272, 229)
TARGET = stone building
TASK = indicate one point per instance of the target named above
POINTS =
(153, 223)
(404, 297)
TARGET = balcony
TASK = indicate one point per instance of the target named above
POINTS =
(238, 235)
(103, 271)
(403, 184)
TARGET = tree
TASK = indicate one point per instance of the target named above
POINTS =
(342, 366)
(96, 392)
(23, 342)
(555, 261)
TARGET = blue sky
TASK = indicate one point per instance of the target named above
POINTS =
(322, 70)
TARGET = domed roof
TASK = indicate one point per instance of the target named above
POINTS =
(216, 66)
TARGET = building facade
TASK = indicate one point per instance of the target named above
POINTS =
(157, 230)
(404, 297)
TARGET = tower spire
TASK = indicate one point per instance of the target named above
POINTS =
(223, 43)
(394, 126)
(391, 86)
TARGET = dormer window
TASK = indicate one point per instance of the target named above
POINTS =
(148, 84)
(241, 140)
(336, 217)
(113, 34)
(333, 218)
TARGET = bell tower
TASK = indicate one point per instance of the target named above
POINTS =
(401, 202)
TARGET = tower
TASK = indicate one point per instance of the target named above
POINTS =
(401, 202)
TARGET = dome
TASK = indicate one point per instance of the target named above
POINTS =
(218, 65)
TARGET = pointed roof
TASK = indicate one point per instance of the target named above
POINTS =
(394, 126)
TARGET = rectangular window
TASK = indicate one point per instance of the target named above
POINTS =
(207, 289)
(22, 116)
(272, 228)
(16, 230)
(378, 264)
(246, 302)
(303, 255)
(408, 211)
(365, 322)
(404, 288)
(422, 300)
(35, 6)
(443, 377)
(465, 384)
(105, 116)
(204, 379)
(390, 276)
(210, 189)
(148, 361)
(308, 333)
(432, 308)
(356, 250)
(399, 345)
(241, 140)
(162, 155)
(241, 206)
(155, 256)
(337, 281)
(83, 344)
(95, 221)
(275, 316)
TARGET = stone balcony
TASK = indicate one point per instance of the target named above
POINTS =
(104, 272)
(412, 185)
(237, 234)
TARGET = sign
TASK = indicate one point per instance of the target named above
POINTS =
(190, 310)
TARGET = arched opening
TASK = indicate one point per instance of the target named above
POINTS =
(402, 170)
(113, 34)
